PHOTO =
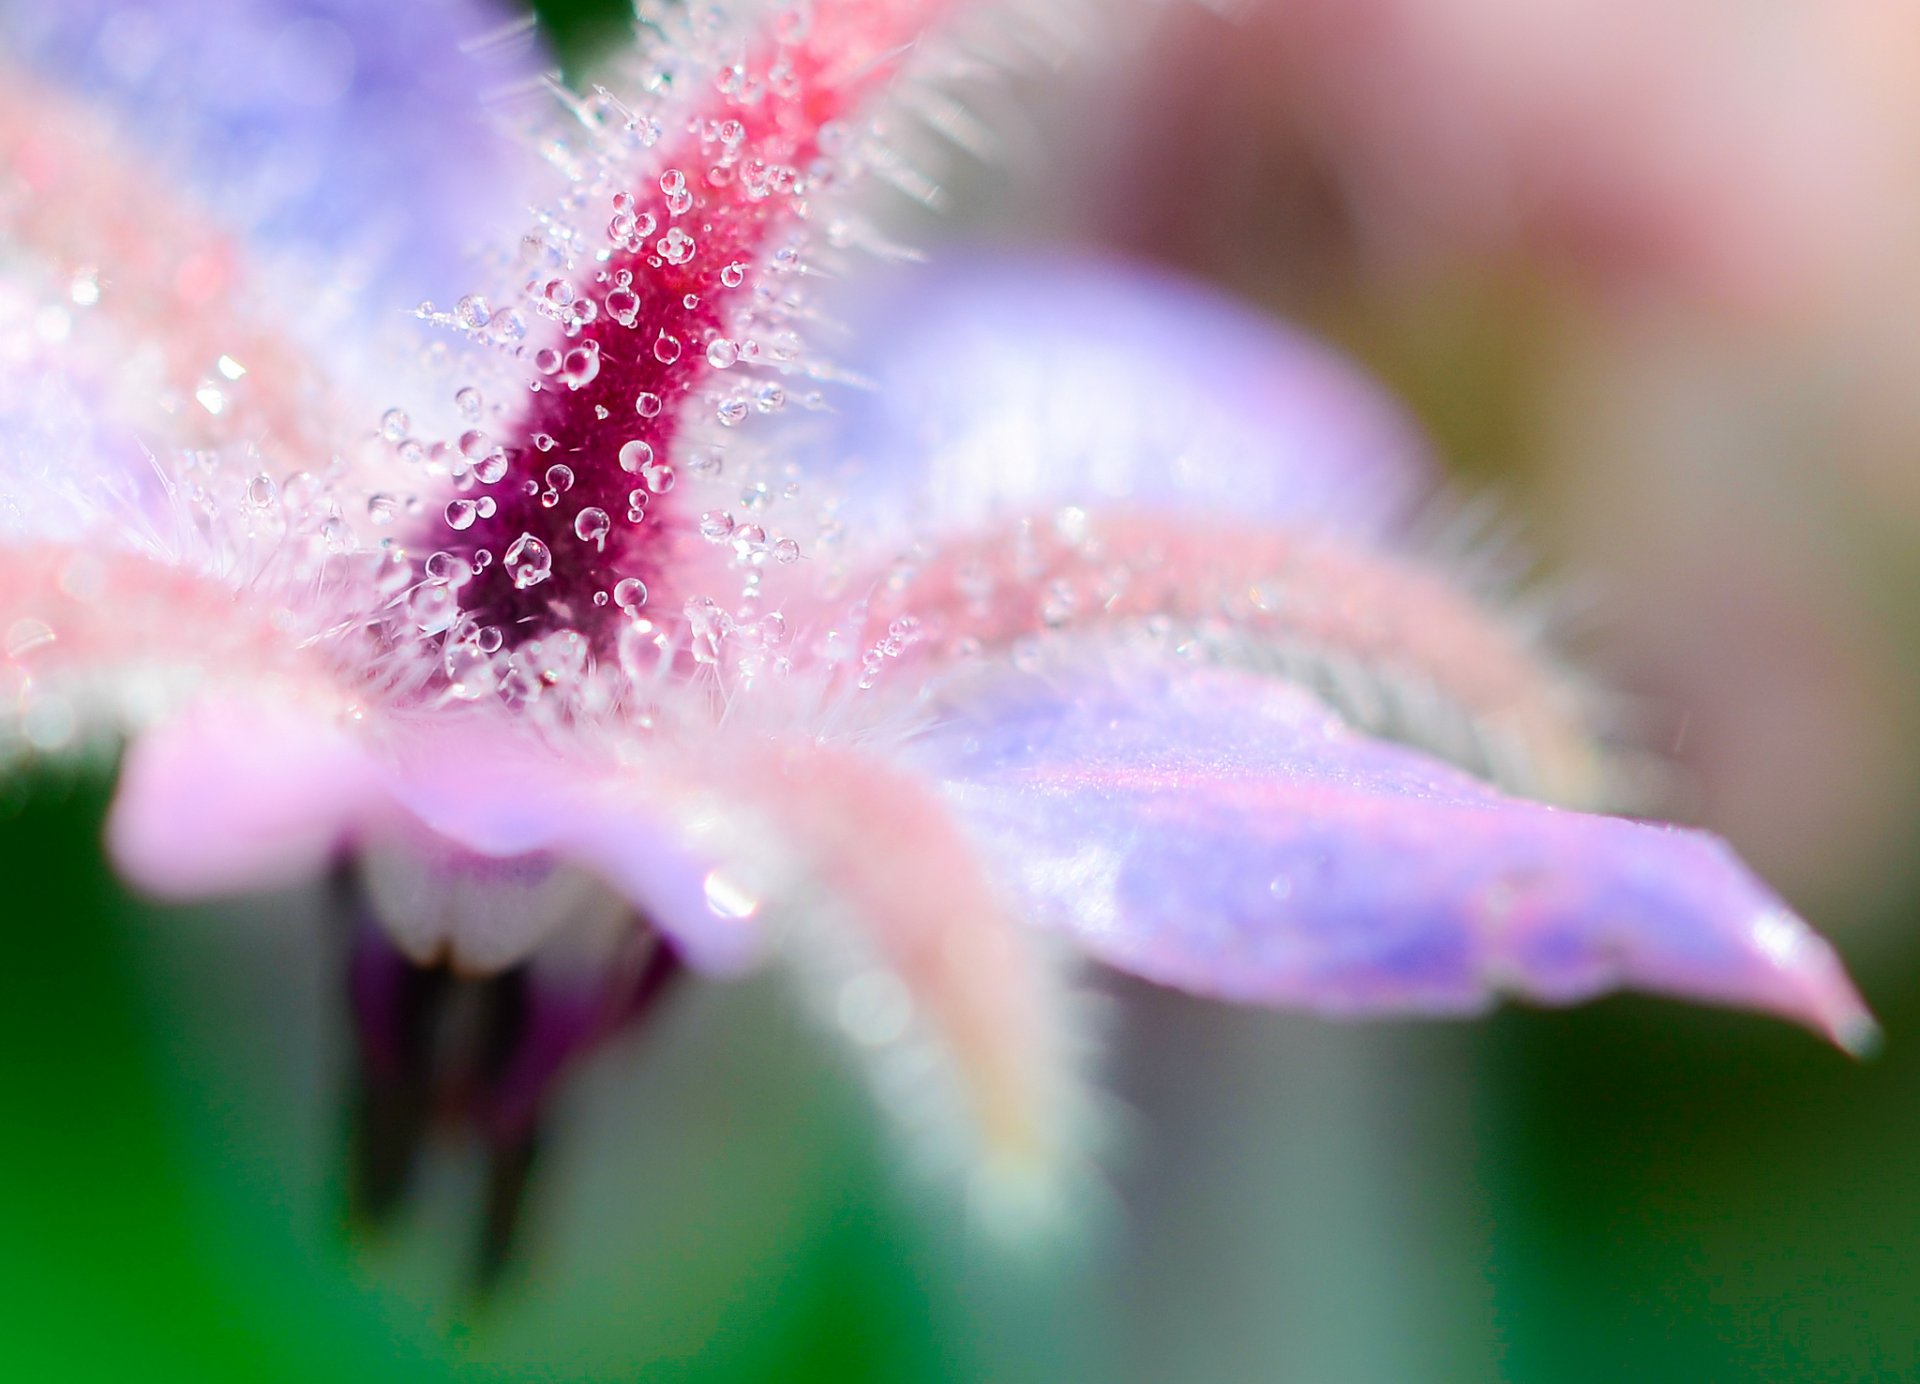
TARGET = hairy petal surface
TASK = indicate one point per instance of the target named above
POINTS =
(920, 964)
(1008, 382)
(1231, 836)
(1402, 650)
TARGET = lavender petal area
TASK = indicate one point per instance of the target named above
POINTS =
(1232, 837)
(354, 139)
(1002, 381)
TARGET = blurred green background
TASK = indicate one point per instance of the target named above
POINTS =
(1634, 1190)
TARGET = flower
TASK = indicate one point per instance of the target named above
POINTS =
(613, 628)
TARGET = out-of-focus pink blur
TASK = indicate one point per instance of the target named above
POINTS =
(1651, 268)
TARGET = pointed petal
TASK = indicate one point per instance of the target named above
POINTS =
(1231, 836)
(1007, 383)
(918, 962)
(344, 132)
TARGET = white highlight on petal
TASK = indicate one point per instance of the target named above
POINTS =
(726, 898)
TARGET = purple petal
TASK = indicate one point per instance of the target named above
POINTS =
(351, 135)
(1002, 382)
(1231, 836)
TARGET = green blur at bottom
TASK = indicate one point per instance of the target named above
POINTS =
(1633, 1191)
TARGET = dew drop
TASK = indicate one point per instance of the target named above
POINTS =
(460, 514)
(447, 569)
(530, 561)
(591, 526)
(635, 456)
(473, 312)
(647, 405)
(666, 348)
(582, 363)
(722, 353)
(433, 607)
(675, 247)
(630, 593)
(470, 673)
(734, 274)
(394, 425)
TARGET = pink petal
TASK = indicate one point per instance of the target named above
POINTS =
(1402, 649)
(1229, 835)
(241, 793)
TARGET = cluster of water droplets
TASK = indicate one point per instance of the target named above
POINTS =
(655, 313)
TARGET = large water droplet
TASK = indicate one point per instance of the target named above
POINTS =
(530, 561)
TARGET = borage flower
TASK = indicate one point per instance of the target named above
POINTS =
(615, 632)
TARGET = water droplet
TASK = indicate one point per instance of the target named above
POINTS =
(675, 247)
(582, 363)
(560, 478)
(647, 405)
(591, 526)
(734, 274)
(491, 467)
(731, 411)
(474, 444)
(27, 634)
(666, 348)
(473, 312)
(659, 478)
(433, 607)
(630, 593)
(635, 455)
(460, 514)
(642, 649)
(467, 399)
(544, 442)
(394, 425)
(484, 506)
(623, 306)
(530, 561)
(470, 672)
(547, 361)
(447, 569)
(716, 525)
(786, 550)
(261, 491)
(381, 507)
(722, 353)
